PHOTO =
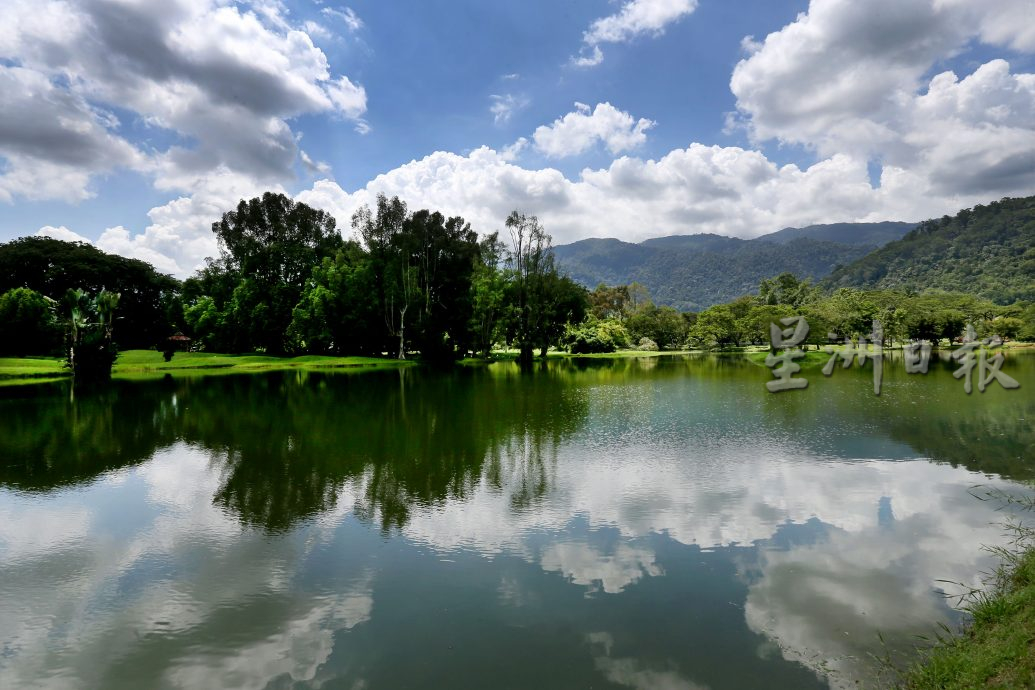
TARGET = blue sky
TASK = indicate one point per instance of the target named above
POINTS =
(134, 123)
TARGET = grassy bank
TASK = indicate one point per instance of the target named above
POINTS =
(998, 649)
(149, 363)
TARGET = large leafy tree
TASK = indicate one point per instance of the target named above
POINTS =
(52, 267)
(441, 253)
(272, 244)
(337, 313)
(531, 261)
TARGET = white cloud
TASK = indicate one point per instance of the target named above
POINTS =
(350, 99)
(314, 167)
(351, 19)
(723, 190)
(61, 233)
(180, 236)
(53, 140)
(579, 131)
(505, 105)
(362, 126)
(635, 18)
(226, 78)
(847, 77)
(511, 152)
(729, 191)
(594, 58)
(316, 30)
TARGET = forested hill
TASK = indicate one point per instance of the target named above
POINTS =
(987, 251)
(867, 234)
(692, 272)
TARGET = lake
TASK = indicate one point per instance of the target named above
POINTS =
(599, 523)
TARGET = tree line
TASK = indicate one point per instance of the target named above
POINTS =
(286, 281)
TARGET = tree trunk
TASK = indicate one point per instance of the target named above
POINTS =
(402, 330)
(527, 353)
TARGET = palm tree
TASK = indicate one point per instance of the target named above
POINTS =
(89, 342)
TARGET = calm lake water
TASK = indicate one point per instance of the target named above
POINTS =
(640, 523)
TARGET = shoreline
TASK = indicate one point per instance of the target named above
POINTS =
(996, 648)
(20, 371)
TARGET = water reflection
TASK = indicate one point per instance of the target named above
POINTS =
(632, 523)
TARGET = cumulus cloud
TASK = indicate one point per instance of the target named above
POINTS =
(724, 190)
(53, 139)
(225, 78)
(61, 233)
(848, 78)
(635, 18)
(579, 131)
(180, 236)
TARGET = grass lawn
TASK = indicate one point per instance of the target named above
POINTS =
(148, 363)
(31, 367)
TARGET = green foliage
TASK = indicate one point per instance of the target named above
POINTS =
(542, 301)
(488, 296)
(786, 289)
(268, 247)
(595, 336)
(27, 324)
(52, 267)
(987, 251)
(716, 327)
(336, 314)
(610, 302)
(90, 349)
(663, 325)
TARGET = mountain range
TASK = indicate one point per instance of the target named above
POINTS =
(693, 272)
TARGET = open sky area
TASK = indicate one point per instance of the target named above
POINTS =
(134, 124)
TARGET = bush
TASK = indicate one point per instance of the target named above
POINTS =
(647, 345)
(595, 337)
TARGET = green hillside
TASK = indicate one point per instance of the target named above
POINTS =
(987, 251)
(866, 234)
(692, 272)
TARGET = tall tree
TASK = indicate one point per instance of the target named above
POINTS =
(442, 254)
(488, 294)
(273, 243)
(531, 260)
(378, 231)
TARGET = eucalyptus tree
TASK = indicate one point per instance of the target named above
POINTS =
(542, 300)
